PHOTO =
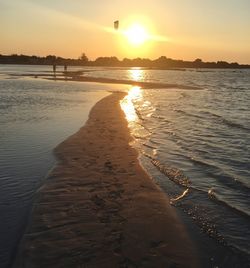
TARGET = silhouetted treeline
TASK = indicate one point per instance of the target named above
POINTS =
(162, 62)
(48, 60)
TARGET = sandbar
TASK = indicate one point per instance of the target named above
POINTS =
(142, 84)
(99, 208)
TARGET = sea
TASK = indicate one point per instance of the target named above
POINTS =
(194, 143)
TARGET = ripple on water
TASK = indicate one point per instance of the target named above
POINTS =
(202, 143)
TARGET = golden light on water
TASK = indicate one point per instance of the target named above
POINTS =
(136, 74)
(127, 103)
(135, 93)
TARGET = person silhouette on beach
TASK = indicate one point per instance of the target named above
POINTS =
(65, 68)
(54, 68)
(65, 72)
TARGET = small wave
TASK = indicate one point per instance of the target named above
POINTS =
(138, 114)
(213, 196)
(162, 118)
(204, 71)
(144, 127)
(226, 179)
(225, 121)
(173, 174)
(173, 200)
(149, 146)
(188, 114)
(141, 137)
(234, 124)
(200, 115)
(179, 178)
(209, 113)
(220, 119)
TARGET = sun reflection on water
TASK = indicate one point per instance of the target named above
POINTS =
(127, 105)
(136, 74)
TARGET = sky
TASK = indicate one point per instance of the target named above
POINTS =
(180, 29)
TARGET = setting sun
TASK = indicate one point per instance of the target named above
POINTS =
(136, 34)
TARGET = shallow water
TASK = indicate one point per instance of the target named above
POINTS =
(35, 116)
(200, 140)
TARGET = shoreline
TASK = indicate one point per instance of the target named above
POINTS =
(76, 76)
(103, 80)
(99, 207)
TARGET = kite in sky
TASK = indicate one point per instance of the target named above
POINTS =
(116, 24)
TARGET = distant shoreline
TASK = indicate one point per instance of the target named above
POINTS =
(160, 63)
(134, 66)
(241, 67)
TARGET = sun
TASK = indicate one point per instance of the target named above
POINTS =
(136, 34)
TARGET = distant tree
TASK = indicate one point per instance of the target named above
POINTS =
(83, 58)
(107, 61)
(127, 62)
(222, 64)
(51, 57)
(234, 65)
(161, 62)
(198, 61)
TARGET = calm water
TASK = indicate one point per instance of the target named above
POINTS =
(189, 139)
(35, 116)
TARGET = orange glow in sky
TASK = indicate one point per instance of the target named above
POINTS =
(188, 29)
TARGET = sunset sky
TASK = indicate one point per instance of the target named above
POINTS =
(181, 29)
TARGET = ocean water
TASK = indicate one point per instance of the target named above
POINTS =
(194, 143)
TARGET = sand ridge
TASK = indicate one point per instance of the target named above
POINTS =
(99, 208)
(103, 80)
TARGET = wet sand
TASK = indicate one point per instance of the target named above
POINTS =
(78, 76)
(99, 208)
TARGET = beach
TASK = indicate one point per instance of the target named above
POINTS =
(99, 208)
(190, 138)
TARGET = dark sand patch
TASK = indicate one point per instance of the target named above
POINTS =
(99, 208)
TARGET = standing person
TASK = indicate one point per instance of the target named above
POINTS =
(65, 72)
(54, 68)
